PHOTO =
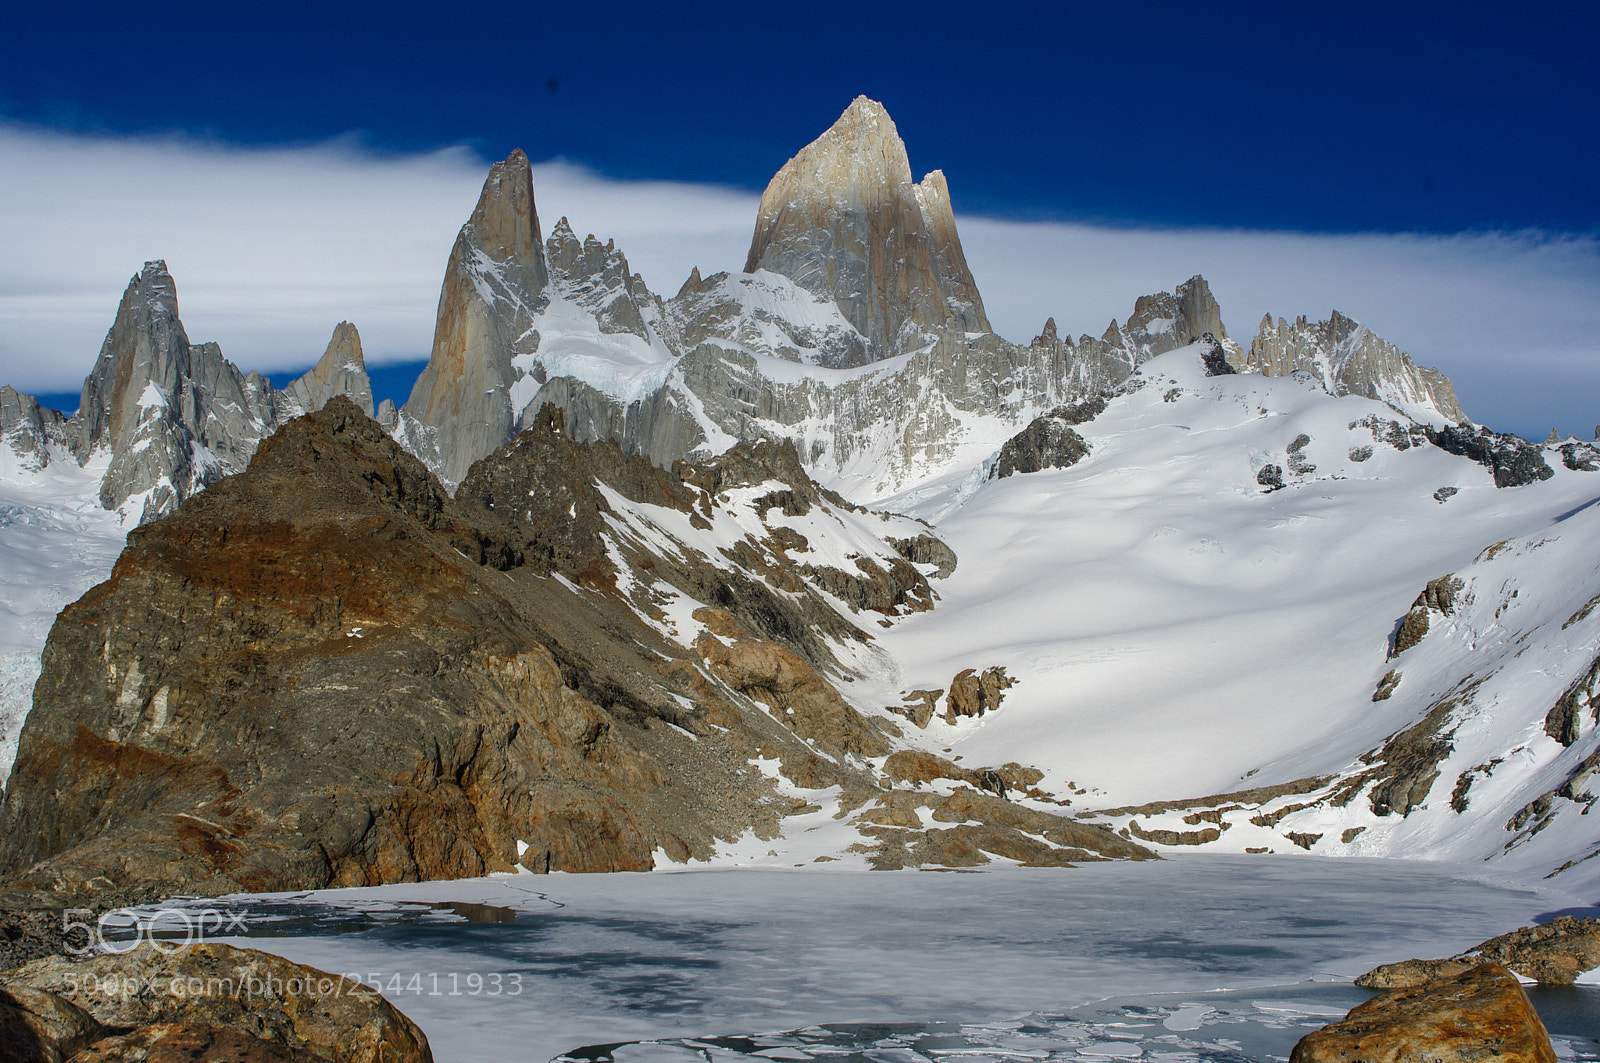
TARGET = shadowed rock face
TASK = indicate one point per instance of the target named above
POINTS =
(844, 219)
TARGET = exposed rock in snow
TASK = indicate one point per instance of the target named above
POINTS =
(1349, 359)
(1513, 460)
(1047, 443)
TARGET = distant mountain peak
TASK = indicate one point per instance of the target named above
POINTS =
(844, 219)
(1350, 359)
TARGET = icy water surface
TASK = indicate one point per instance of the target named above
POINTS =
(1224, 1027)
(897, 967)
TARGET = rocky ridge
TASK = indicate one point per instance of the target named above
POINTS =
(168, 416)
(855, 273)
(1347, 358)
(327, 671)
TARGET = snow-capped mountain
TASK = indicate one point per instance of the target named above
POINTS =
(856, 330)
(1287, 597)
(170, 416)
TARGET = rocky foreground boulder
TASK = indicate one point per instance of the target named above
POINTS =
(205, 1001)
(1481, 1014)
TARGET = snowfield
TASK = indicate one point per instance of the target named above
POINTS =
(55, 543)
(1177, 631)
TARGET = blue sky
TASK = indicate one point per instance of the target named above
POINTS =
(1328, 117)
(1444, 126)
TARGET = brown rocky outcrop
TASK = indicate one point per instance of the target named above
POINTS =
(845, 220)
(1479, 1015)
(325, 671)
(1553, 953)
(214, 997)
(972, 694)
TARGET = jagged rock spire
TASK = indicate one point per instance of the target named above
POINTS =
(175, 416)
(341, 371)
(459, 409)
(1350, 359)
(844, 219)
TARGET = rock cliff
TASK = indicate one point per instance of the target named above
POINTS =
(326, 671)
(845, 220)
(460, 409)
(1347, 358)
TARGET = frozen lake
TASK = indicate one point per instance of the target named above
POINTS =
(533, 967)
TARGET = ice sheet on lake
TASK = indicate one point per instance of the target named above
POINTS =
(609, 959)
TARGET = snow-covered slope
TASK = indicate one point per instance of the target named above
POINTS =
(1176, 628)
(56, 541)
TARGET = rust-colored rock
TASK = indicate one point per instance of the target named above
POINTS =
(972, 694)
(192, 1043)
(1474, 1017)
(803, 700)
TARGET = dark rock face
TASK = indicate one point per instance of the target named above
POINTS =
(1481, 1014)
(1561, 723)
(1580, 457)
(1513, 460)
(1270, 477)
(1047, 443)
(926, 550)
(1215, 357)
(1296, 460)
(42, 1027)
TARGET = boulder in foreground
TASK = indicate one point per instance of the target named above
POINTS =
(214, 998)
(1473, 1017)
